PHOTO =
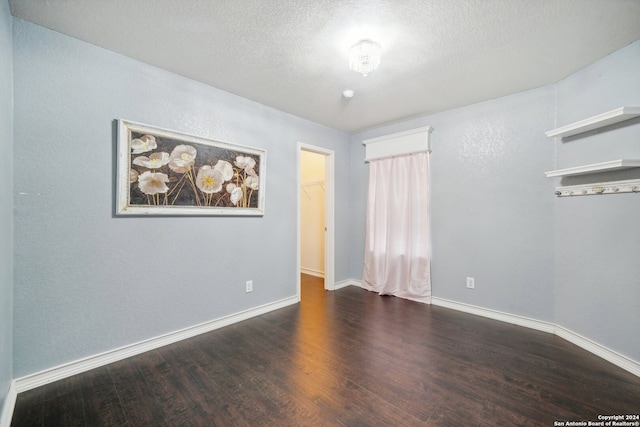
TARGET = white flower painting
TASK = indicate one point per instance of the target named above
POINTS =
(165, 172)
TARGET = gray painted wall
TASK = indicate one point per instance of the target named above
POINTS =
(597, 239)
(492, 207)
(574, 262)
(6, 201)
(86, 281)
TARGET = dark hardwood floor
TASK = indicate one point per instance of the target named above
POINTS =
(345, 358)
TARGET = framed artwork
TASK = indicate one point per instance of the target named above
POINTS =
(162, 172)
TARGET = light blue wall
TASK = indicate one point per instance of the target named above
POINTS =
(87, 282)
(574, 262)
(597, 239)
(6, 201)
(491, 205)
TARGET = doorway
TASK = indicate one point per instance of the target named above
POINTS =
(315, 215)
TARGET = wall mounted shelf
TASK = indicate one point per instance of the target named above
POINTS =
(614, 187)
(610, 166)
(306, 184)
(601, 120)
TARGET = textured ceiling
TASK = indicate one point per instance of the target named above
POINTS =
(292, 54)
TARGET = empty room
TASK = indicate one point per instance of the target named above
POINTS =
(319, 213)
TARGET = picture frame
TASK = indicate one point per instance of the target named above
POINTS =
(164, 172)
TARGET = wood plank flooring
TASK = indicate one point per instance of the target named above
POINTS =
(345, 358)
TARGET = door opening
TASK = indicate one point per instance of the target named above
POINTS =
(315, 215)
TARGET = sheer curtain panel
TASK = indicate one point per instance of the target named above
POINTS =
(397, 257)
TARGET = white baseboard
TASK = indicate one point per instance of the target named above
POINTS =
(345, 283)
(9, 405)
(68, 369)
(496, 315)
(564, 333)
(599, 350)
(312, 272)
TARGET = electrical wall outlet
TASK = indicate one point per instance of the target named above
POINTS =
(249, 286)
(471, 283)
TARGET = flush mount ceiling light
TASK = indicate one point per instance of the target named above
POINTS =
(364, 56)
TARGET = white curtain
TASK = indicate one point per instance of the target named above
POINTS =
(397, 257)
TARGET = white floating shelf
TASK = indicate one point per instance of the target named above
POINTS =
(601, 120)
(614, 187)
(613, 165)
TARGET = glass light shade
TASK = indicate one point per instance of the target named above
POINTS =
(364, 56)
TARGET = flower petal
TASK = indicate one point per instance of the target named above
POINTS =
(209, 180)
(153, 183)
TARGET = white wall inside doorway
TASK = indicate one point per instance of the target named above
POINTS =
(312, 213)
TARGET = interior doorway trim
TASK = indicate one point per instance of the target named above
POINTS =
(329, 214)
